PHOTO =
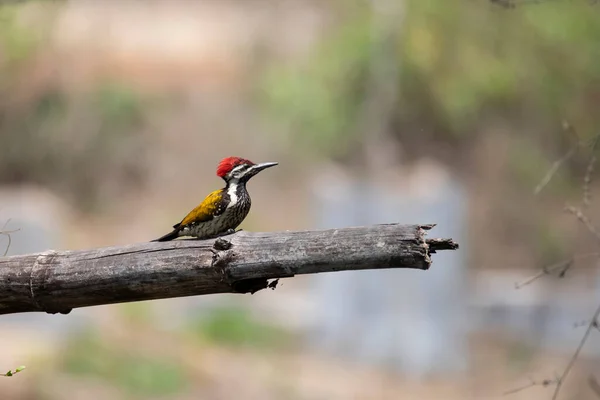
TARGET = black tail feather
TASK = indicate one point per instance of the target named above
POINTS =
(169, 236)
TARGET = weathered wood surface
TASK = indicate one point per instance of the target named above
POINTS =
(58, 281)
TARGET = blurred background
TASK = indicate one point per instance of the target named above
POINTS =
(114, 115)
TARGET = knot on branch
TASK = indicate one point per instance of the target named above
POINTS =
(221, 253)
(222, 258)
(222, 244)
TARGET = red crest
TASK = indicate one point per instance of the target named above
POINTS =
(229, 163)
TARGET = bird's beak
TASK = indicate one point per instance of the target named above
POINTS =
(261, 166)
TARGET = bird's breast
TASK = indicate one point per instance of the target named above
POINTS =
(231, 218)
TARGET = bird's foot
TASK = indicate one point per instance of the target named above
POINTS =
(227, 233)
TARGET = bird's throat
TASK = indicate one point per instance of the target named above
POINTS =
(232, 191)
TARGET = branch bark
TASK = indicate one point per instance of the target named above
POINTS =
(58, 281)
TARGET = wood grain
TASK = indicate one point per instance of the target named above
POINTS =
(58, 281)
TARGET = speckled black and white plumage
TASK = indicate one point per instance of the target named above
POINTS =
(222, 210)
(231, 211)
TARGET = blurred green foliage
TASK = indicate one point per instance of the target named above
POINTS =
(86, 144)
(93, 141)
(324, 97)
(464, 68)
(463, 65)
(141, 375)
(17, 42)
(233, 326)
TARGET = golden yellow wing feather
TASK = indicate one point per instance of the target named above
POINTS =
(211, 206)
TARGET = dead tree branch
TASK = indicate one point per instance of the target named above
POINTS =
(58, 281)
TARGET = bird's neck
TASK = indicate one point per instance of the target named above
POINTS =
(235, 189)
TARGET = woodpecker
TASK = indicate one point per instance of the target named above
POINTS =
(224, 209)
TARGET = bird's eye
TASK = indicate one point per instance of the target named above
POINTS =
(237, 171)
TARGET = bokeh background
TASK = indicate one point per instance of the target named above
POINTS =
(114, 114)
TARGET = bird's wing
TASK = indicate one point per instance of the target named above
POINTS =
(213, 205)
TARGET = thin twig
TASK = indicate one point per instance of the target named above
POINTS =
(558, 163)
(555, 166)
(6, 233)
(587, 179)
(8, 245)
(584, 339)
(561, 266)
(584, 220)
(593, 323)
(13, 372)
(567, 127)
(586, 322)
(544, 383)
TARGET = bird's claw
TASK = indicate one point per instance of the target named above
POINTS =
(228, 232)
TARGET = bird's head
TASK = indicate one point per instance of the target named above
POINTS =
(239, 169)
